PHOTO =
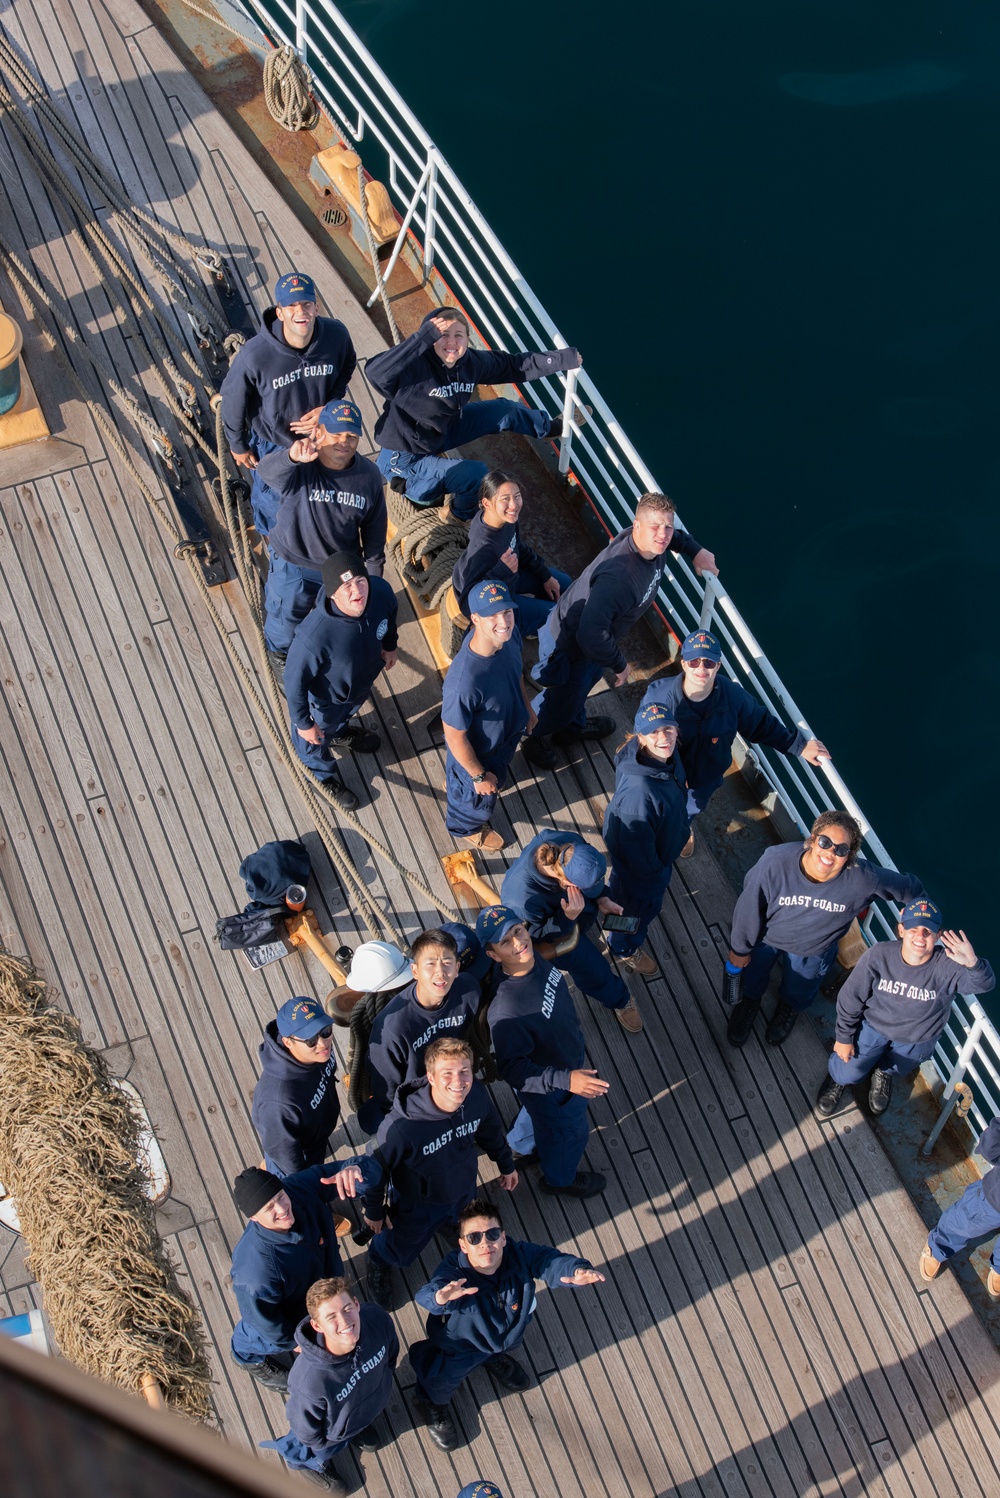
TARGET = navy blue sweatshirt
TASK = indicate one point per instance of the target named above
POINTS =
(645, 823)
(538, 898)
(706, 730)
(430, 1157)
(536, 1034)
(404, 1030)
(781, 906)
(905, 1003)
(604, 602)
(481, 560)
(497, 1316)
(324, 510)
(989, 1148)
(295, 1105)
(424, 398)
(269, 385)
(272, 1271)
(337, 658)
(333, 1398)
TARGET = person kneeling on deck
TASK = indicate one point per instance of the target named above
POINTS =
(440, 1001)
(428, 381)
(338, 651)
(279, 382)
(975, 1215)
(289, 1242)
(428, 1149)
(484, 712)
(331, 500)
(539, 1052)
(558, 886)
(581, 637)
(295, 1104)
(798, 900)
(711, 710)
(646, 828)
(481, 1299)
(341, 1381)
(892, 1010)
(496, 551)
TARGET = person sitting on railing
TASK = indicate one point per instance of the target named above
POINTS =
(280, 380)
(892, 1010)
(975, 1215)
(797, 901)
(581, 637)
(496, 550)
(711, 710)
(428, 381)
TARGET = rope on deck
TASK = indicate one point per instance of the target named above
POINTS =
(287, 82)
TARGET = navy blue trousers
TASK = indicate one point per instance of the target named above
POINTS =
(290, 593)
(429, 479)
(561, 1130)
(440, 1371)
(531, 609)
(264, 500)
(331, 717)
(624, 943)
(413, 1226)
(800, 976)
(467, 811)
(971, 1217)
(566, 686)
(593, 974)
(251, 1346)
(895, 1057)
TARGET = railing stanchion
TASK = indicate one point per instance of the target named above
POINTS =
(429, 224)
(949, 1096)
(566, 440)
(708, 601)
(300, 29)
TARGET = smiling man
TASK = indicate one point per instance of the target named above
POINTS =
(428, 381)
(581, 637)
(892, 1010)
(797, 901)
(480, 1301)
(295, 1105)
(280, 380)
(484, 711)
(428, 1150)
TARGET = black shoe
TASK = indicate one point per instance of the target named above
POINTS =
(880, 1091)
(521, 1162)
(594, 728)
(741, 1021)
(539, 751)
(828, 1100)
(268, 1372)
(509, 1373)
(277, 659)
(328, 1479)
(359, 740)
(397, 485)
(367, 1439)
(338, 790)
(379, 1277)
(440, 1426)
(781, 1024)
(585, 1183)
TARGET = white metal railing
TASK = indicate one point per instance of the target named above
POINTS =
(447, 234)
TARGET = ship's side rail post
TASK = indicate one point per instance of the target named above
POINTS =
(949, 1097)
(566, 441)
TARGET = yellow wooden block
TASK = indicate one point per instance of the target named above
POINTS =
(25, 421)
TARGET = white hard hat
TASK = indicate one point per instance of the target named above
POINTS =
(377, 966)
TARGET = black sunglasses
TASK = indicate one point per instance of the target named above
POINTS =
(492, 1235)
(320, 1035)
(840, 850)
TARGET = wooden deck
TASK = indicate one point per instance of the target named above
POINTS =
(762, 1329)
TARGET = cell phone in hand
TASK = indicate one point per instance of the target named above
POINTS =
(626, 923)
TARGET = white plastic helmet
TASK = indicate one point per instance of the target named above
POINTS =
(377, 966)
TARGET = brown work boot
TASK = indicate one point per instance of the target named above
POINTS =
(993, 1284)
(640, 962)
(342, 1225)
(688, 847)
(929, 1266)
(485, 838)
(629, 1018)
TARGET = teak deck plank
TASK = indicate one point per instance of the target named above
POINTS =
(762, 1331)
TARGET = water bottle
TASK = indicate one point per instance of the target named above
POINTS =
(732, 983)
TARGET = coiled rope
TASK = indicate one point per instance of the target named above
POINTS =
(287, 84)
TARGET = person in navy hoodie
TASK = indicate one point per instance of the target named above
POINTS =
(428, 381)
(975, 1215)
(797, 901)
(337, 652)
(892, 1010)
(711, 710)
(331, 500)
(295, 1105)
(289, 1242)
(480, 1300)
(281, 379)
(558, 886)
(340, 1382)
(496, 550)
(645, 828)
(539, 1052)
(428, 1150)
(484, 711)
(581, 638)
(440, 1001)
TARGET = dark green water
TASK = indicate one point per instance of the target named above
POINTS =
(772, 230)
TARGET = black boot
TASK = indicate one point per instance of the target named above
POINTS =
(440, 1426)
(828, 1100)
(781, 1023)
(741, 1021)
(880, 1091)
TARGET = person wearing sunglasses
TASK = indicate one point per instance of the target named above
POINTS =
(295, 1104)
(797, 901)
(711, 710)
(480, 1300)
